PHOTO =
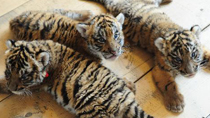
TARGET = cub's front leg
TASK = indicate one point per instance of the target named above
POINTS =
(174, 100)
(3, 85)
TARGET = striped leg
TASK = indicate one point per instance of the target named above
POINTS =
(131, 85)
(174, 100)
(133, 110)
(80, 15)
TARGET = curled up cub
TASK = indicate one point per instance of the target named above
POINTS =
(97, 37)
(81, 85)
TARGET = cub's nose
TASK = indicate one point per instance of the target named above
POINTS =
(113, 51)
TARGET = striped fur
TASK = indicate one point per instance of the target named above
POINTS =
(96, 37)
(81, 85)
(177, 50)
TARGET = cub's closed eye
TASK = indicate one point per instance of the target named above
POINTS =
(101, 40)
(24, 77)
(177, 60)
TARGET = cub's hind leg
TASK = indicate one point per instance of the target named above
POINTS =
(80, 15)
(174, 100)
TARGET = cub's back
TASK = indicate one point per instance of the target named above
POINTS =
(34, 25)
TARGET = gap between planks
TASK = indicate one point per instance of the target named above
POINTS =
(205, 27)
(6, 97)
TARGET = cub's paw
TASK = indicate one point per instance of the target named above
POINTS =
(131, 85)
(174, 102)
(3, 85)
(86, 15)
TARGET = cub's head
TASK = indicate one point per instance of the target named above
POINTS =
(25, 66)
(182, 50)
(103, 34)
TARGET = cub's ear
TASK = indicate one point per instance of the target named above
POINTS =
(82, 29)
(44, 58)
(10, 43)
(196, 30)
(159, 43)
(120, 18)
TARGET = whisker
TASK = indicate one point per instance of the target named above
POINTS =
(28, 92)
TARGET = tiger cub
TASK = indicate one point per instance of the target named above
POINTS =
(97, 36)
(177, 50)
(81, 85)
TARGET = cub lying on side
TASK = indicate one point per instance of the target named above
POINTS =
(177, 50)
(97, 36)
(81, 85)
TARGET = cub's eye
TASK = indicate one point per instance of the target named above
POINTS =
(193, 55)
(116, 36)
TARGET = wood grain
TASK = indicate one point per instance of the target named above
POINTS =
(8, 5)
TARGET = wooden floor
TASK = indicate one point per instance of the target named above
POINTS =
(135, 64)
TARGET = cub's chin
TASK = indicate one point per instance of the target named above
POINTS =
(189, 75)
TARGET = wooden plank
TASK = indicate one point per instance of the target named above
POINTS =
(137, 73)
(9, 5)
(39, 105)
(187, 13)
(132, 64)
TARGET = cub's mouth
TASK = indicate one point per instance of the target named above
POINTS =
(111, 56)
